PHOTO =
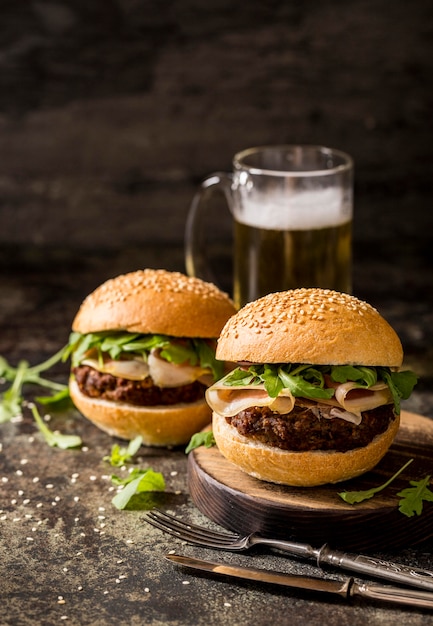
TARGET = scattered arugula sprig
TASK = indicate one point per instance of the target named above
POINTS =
(192, 351)
(309, 381)
(411, 498)
(205, 438)
(54, 439)
(139, 481)
(11, 400)
(121, 455)
(354, 497)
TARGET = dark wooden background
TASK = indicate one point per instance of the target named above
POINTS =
(112, 110)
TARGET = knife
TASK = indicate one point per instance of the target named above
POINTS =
(346, 588)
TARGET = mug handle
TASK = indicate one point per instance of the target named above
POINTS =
(196, 260)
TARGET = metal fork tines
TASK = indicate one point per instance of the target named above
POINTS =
(378, 568)
(192, 533)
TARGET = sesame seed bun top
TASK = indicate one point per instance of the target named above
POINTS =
(155, 301)
(316, 326)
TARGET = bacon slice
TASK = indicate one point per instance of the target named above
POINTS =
(348, 403)
(132, 369)
(228, 401)
(162, 372)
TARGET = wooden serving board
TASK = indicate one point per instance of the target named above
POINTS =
(317, 515)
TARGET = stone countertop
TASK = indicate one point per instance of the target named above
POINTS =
(67, 554)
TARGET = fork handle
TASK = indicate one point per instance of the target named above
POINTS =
(378, 568)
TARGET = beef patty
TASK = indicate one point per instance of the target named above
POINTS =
(302, 429)
(138, 392)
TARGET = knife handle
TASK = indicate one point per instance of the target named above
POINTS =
(378, 568)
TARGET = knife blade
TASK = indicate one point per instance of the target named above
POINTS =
(346, 588)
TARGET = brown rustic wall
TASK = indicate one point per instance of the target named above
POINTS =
(112, 110)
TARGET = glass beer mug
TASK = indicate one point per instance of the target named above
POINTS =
(292, 208)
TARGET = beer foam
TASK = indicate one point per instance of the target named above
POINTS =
(294, 211)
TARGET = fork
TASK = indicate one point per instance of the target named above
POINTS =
(205, 537)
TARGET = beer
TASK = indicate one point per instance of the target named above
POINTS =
(308, 244)
(292, 213)
(276, 260)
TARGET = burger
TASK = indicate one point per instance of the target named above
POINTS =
(143, 354)
(315, 397)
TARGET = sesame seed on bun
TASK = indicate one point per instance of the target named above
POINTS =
(155, 301)
(317, 326)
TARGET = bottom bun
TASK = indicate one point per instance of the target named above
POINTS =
(298, 469)
(163, 426)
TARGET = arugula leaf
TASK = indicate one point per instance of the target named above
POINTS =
(178, 353)
(53, 438)
(121, 455)
(11, 400)
(400, 384)
(300, 386)
(366, 376)
(309, 381)
(272, 381)
(412, 498)
(56, 400)
(302, 380)
(240, 377)
(173, 349)
(201, 439)
(207, 359)
(354, 497)
(137, 482)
